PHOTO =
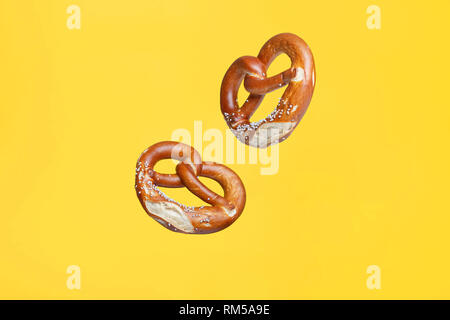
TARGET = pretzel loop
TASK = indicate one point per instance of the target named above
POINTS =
(169, 150)
(174, 215)
(300, 82)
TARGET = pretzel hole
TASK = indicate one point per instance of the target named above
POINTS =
(270, 102)
(165, 166)
(242, 94)
(183, 196)
(212, 185)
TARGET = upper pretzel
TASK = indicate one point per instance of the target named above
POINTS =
(300, 79)
(174, 215)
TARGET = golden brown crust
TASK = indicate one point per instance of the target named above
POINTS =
(176, 216)
(300, 79)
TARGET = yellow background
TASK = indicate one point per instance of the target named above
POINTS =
(363, 180)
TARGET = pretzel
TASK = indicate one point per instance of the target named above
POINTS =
(174, 215)
(300, 78)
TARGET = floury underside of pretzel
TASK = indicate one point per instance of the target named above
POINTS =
(174, 215)
(300, 81)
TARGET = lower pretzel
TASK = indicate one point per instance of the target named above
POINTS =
(300, 79)
(174, 215)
